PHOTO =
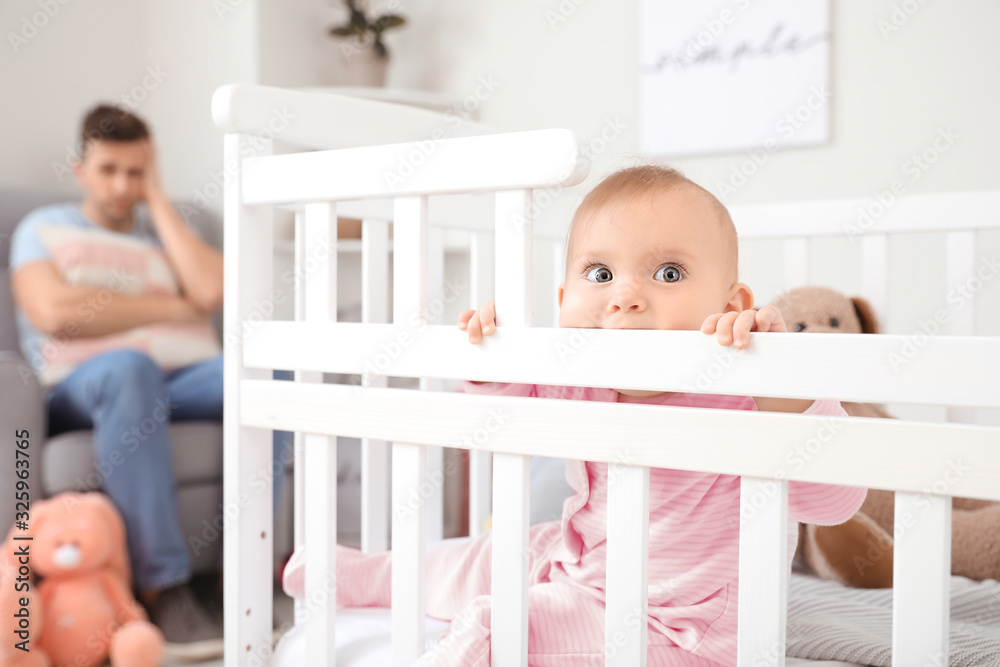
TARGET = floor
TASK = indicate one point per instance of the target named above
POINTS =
(284, 613)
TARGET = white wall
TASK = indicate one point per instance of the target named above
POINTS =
(84, 52)
(161, 58)
(201, 47)
(295, 48)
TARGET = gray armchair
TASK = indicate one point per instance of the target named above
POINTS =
(65, 462)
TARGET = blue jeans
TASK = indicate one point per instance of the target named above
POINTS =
(128, 401)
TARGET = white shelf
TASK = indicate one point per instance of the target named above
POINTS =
(414, 98)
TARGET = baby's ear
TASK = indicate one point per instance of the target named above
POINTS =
(740, 298)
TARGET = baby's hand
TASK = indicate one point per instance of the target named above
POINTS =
(735, 326)
(482, 322)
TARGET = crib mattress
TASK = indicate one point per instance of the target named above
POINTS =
(363, 639)
(826, 621)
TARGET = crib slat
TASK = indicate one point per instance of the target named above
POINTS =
(374, 492)
(480, 462)
(480, 268)
(514, 267)
(764, 571)
(511, 471)
(320, 303)
(301, 376)
(921, 579)
(409, 461)
(480, 489)
(374, 453)
(435, 455)
(409, 543)
(435, 275)
(509, 581)
(625, 628)
(374, 271)
(320, 296)
(247, 542)
(796, 264)
(875, 274)
(299, 501)
(961, 281)
(321, 556)
(436, 481)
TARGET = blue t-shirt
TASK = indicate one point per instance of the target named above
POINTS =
(26, 246)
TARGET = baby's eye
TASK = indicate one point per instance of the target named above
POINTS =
(599, 274)
(668, 274)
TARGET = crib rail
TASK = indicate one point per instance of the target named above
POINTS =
(857, 218)
(514, 161)
(901, 455)
(952, 370)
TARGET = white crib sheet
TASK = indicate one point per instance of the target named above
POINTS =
(363, 639)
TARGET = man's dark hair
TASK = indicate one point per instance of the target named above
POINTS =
(106, 122)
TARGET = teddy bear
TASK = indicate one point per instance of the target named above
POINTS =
(78, 554)
(21, 607)
(859, 552)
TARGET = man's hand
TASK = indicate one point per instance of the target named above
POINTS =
(196, 265)
(150, 172)
(479, 323)
(183, 310)
(735, 326)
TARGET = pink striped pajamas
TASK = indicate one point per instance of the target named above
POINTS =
(693, 559)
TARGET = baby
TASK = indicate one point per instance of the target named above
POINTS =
(648, 249)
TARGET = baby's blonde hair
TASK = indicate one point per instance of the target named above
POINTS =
(627, 184)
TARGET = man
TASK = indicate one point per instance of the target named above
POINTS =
(113, 309)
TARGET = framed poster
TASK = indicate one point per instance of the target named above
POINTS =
(727, 75)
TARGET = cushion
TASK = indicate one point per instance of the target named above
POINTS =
(121, 265)
(68, 458)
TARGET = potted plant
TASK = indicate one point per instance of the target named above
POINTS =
(364, 52)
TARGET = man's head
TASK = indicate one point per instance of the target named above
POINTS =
(113, 154)
(650, 249)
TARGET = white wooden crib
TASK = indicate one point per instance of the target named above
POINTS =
(383, 162)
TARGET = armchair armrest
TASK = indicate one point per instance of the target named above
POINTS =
(21, 408)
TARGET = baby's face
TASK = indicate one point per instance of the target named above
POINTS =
(660, 261)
